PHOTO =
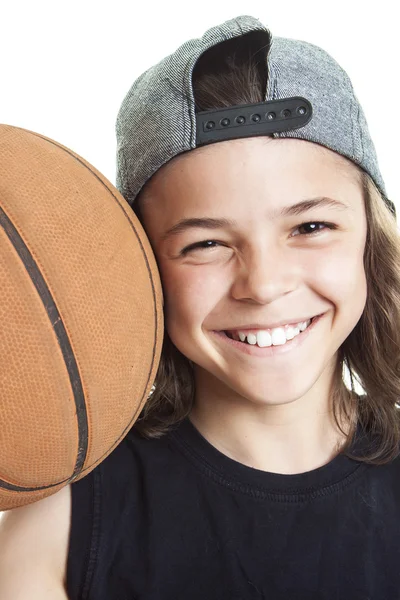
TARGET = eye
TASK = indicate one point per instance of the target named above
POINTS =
(313, 227)
(310, 228)
(204, 245)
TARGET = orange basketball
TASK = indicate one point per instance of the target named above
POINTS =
(81, 320)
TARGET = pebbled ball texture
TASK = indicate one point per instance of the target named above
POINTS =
(81, 320)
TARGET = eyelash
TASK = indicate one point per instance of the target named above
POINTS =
(207, 243)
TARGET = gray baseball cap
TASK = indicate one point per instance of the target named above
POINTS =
(308, 96)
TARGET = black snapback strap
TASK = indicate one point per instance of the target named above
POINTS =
(248, 120)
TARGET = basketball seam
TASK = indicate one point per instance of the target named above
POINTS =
(14, 233)
(104, 183)
(82, 470)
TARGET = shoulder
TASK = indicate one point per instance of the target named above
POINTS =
(134, 467)
(34, 547)
(107, 506)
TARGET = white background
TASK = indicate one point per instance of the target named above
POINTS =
(66, 66)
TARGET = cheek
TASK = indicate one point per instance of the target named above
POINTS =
(190, 294)
(339, 274)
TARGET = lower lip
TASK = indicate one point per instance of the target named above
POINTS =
(270, 351)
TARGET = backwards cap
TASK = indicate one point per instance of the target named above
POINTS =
(308, 96)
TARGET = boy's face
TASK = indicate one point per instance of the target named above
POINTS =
(255, 267)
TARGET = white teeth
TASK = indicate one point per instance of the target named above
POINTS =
(276, 337)
(291, 332)
(264, 339)
(252, 339)
(303, 325)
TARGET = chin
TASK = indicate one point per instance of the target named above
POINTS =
(271, 393)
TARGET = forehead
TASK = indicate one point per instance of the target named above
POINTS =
(276, 170)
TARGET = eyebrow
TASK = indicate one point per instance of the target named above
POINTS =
(292, 210)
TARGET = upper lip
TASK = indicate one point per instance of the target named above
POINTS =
(253, 326)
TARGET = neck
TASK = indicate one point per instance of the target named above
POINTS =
(290, 438)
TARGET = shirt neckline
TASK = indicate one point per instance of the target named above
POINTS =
(235, 475)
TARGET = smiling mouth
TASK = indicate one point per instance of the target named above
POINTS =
(265, 338)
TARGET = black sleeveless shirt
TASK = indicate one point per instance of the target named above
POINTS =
(175, 519)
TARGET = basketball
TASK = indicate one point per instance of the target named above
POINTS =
(81, 321)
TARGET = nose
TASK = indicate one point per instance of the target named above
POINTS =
(265, 273)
